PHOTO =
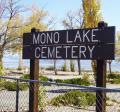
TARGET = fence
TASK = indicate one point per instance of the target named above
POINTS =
(54, 97)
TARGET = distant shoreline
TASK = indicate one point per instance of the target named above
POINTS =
(12, 61)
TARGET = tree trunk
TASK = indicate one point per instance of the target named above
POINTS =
(67, 65)
(20, 66)
(94, 68)
(79, 67)
(110, 70)
(72, 66)
(55, 70)
(1, 63)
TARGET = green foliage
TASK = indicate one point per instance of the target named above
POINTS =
(74, 98)
(50, 68)
(59, 81)
(41, 99)
(91, 17)
(91, 14)
(64, 67)
(86, 77)
(11, 86)
(115, 81)
(43, 78)
(114, 78)
(2, 81)
(19, 68)
(1, 70)
(77, 81)
(16, 24)
(26, 76)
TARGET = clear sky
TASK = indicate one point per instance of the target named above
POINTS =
(58, 8)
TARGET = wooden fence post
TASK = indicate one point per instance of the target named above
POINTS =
(33, 91)
(101, 80)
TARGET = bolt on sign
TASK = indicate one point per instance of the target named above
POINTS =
(92, 43)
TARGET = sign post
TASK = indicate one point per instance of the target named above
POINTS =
(34, 87)
(101, 80)
(93, 44)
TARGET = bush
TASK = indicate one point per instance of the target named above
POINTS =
(59, 81)
(26, 76)
(74, 98)
(64, 68)
(41, 99)
(115, 81)
(2, 81)
(77, 81)
(114, 78)
(50, 68)
(86, 77)
(1, 71)
(43, 78)
(11, 86)
(19, 68)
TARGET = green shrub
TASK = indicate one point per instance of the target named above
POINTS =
(1, 71)
(64, 67)
(11, 86)
(59, 81)
(77, 81)
(50, 68)
(113, 76)
(26, 76)
(19, 68)
(74, 98)
(2, 81)
(115, 81)
(41, 99)
(43, 78)
(86, 77)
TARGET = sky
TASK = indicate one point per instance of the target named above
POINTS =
(58, 8)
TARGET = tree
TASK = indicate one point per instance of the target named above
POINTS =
(91, 17)
(9, 9)
(13, 25)
(109, 63)
(69, 23)
(73, 20)
(117, 50)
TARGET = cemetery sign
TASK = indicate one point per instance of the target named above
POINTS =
(92, 43)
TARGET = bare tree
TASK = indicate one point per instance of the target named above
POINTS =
(9, 9)
(74, 20)
(109, 63)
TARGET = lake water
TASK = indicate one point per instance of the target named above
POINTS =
(12, 61)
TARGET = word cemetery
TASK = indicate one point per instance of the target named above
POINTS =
(91, 43)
